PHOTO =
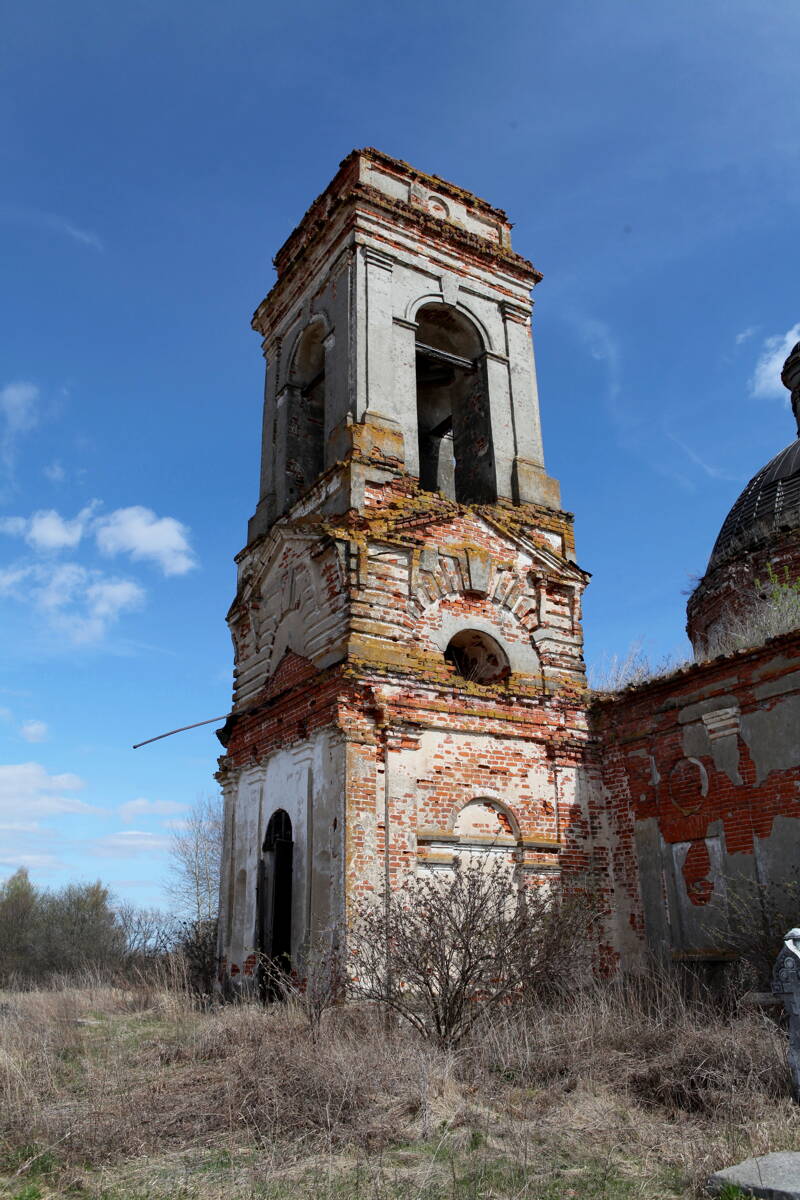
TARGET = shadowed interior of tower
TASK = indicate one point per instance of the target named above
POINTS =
(305, 449)
(453, 420)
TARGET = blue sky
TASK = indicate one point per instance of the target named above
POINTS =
(155, 156)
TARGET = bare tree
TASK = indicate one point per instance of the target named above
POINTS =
(149, 933)
(445, 949)
(195, 852)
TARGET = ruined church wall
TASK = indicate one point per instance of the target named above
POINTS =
(305, 780)
(701, 797)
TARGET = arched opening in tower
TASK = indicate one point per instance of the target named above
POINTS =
(275, 897)
(456, 456)
(477, 657)
(305, 435)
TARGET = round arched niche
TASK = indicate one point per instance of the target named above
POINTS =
(477, 657)
(484, 820)
(486, 835)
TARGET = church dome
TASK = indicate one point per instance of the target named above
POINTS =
(760, 534)
(771, 501)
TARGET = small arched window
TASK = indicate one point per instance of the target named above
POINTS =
(456, 456)
(477, 657)
(305, 438)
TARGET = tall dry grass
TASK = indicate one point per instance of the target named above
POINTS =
(631, 1073)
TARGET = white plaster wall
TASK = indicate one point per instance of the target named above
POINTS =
(306, 781)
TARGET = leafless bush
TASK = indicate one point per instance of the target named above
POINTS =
(760, 913)
(148, 933)
(445, 949)
(319, 986)
(616, 672)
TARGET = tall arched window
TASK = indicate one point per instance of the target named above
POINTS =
(456, 455)
(305, 439)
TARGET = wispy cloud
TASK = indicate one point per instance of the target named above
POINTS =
(708, 468)
(746, 334)
(129, 843)
(52, 222)
(78, 603)
(34, 731)
(139, 532)
(82, 602)
(765, 382)
(142, 807)
(19, 413)
(30, 788)
(55, 472)
(604, 347)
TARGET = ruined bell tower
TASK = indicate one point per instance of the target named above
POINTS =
(408, 669)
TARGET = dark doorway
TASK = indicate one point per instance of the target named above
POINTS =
(275, 897)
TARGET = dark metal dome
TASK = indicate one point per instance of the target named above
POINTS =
(770, 501)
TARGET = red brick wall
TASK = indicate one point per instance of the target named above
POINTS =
(710, 757)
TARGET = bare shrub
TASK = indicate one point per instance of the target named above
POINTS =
(645, 1038)
(760, 913)
(51, 932)
(197, 945)
(319, 986)
(445, 949)
(148, 933)
(615, 672)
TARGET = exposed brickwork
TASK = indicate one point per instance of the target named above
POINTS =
(709, 756)
(739, 582)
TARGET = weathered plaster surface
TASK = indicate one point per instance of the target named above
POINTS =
(702, 785)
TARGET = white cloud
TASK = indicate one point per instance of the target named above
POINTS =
(49, 531)
(136, 531)
(139, 532)
(765, 382)
(30, 789)
(143, 807)
(46, 530)
(129, 843)
(54, 472)
(34, 731)
(746, 334)
(79, 604)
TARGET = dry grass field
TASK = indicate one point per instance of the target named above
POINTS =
(134, 1093)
